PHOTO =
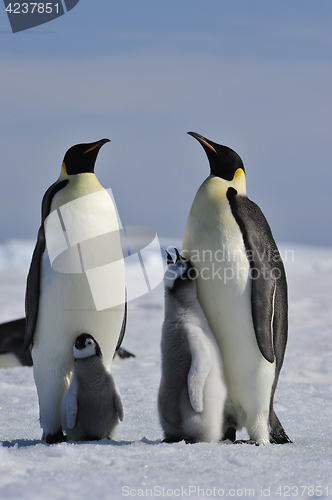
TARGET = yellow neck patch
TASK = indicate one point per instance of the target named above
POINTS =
(239, 173)
(239, 181)
(63, 172)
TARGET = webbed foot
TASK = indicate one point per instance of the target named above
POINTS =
(58, 437)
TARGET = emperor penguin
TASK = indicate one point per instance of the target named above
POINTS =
(92, 407)
(11, 344)
(192, 389)
(242, 288)
(59, 301)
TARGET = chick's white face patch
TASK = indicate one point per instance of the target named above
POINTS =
(173, 272)
(87, 351)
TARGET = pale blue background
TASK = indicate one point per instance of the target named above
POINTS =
(253, 75)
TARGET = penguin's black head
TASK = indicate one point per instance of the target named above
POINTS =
(224, 162)
(80, 159)
(179, 272)
(86, 346)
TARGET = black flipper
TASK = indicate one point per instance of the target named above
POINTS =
(124, 324)
(267, 276)
(33, 280)
(269, 292)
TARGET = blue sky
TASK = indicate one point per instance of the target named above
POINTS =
(253, 75)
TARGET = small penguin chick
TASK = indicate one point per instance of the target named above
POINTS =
(86, 346)
(192, 390)
(92, 407)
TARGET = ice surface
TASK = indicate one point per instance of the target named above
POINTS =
(136, 463)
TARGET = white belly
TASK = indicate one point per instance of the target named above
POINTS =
(68, 302)
(67, 309)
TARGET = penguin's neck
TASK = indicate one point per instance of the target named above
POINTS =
(93, 366)
(184, 298)
(79, 185)
(212, 194)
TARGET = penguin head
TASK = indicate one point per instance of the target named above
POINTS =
(80, 159)
(86, 346)
(224, 162)
(179, 272)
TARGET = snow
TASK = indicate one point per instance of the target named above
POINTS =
(136, 463)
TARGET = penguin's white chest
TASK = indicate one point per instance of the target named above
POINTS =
(84, 223)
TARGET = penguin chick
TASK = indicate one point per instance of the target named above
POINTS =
(92, 406)
(192, 389)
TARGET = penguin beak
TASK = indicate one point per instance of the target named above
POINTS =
(169, 258)
(79, 344)
(178, 256)
(206, 143)
(97, 144)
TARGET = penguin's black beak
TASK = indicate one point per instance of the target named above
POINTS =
(169, 258)
(80, 344)
(178, 256)
(97, 144)
(206, 143)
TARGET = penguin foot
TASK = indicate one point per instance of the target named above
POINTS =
(246, 441)
(58, 437)
(122, 353)
(190, 441)
(172, 439)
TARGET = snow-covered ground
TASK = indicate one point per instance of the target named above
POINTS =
(136, 463)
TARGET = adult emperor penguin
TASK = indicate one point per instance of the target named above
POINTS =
(59, 301)
(92, 407)
(192, 389)
(242, 289)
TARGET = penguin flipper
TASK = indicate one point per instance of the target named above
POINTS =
(33, 280)
(33, 289)
(118, 403)
(199, 369)
(71, 405)
(124, 324)
(267, 270)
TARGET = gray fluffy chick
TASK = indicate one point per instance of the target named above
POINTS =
(92, 406)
